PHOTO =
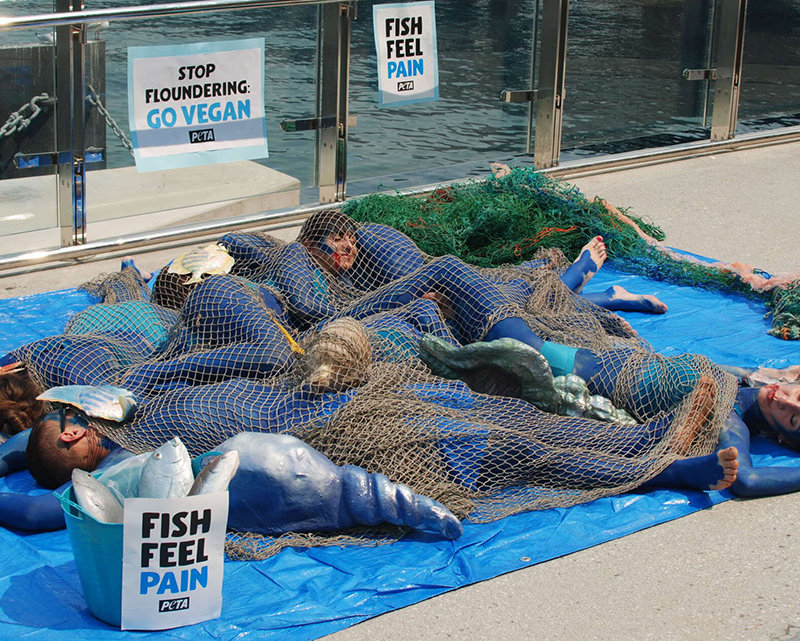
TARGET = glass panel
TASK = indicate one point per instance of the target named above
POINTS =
(770, 90)
(624, 84)
(157, 199)
(484, 48)
(27, 196)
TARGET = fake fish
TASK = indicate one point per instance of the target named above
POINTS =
(217, 474)
(167, 473)
(211, 259)
(100, 401)
(95, 498)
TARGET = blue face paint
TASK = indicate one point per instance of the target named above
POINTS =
(325, 247)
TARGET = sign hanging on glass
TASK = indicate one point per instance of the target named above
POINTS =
(197, 104)
(405, 40)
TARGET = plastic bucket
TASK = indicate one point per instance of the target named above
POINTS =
(97, 548)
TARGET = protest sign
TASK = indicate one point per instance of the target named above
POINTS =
(196, 104)
(172, 560)
(405, 41)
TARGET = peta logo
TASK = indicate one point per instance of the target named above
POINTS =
(405, 85)
(201, 135)
(173, 605)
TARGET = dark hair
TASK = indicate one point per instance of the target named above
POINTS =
(324, 223)
(169, 290)
(19, 408)
(47, 463)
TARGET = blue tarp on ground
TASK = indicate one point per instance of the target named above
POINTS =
(305, 594)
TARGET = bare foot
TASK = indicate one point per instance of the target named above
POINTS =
(590, 259)
(728, 460)
(700, 407)
(621, 300)
(127, 261)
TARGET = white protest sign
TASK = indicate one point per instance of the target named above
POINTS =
(172, 560)
(408, 63)
(196, 104)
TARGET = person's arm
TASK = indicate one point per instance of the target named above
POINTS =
(764, 375)
(304, 291)
(26, 512)
(12, 453)
(754, 481)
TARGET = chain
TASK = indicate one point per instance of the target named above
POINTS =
(17, 121)
(94, 99)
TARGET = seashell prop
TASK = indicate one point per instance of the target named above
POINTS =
(211, 259)
(338, 356)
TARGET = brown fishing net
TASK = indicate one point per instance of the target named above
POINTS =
(359, 393)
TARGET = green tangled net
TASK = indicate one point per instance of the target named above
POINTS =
(505, 220)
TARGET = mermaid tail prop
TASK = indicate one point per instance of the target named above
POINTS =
(286, 485)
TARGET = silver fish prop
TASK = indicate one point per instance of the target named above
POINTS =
(100, 401)
(211, 259)
(95, 498)
(167, 473)
(216, 474)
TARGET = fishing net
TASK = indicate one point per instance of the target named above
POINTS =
(506, 219)
(323, 343)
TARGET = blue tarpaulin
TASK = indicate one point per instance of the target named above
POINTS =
(307, 593)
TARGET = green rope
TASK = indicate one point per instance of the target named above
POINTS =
(507, 220)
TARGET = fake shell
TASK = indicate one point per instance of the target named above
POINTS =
(338, 356)
(211, 259)
(100, 401)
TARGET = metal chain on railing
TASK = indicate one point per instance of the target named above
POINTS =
(17, 120)
(94, 99)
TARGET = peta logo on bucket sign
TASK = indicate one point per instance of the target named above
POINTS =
(172, 605)
(405, 41)
(172, 561)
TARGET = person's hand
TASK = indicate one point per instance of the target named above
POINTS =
(767, 375)
(443, 302)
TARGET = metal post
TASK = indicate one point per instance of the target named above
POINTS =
(531, 112)
(69, 114)
(333, 99)
(552, 73)
(730, 52)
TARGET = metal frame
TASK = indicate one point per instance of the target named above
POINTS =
(70, 119)
(730, 53)
(333, 100)
(552, 75)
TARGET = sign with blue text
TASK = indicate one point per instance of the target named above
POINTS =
(172, 560)
(196, 104)
(408, 64)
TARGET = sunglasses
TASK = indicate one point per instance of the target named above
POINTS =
(62, 422)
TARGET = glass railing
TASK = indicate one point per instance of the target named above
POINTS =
(526, 81)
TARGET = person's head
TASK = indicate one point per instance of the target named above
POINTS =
(330, 237)
(19, 408)
(780, 407)
(59, 443)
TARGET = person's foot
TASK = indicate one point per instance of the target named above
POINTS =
(127, 262)
(717, 471)
(589, 261)
(620, 299)
(728, 460)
